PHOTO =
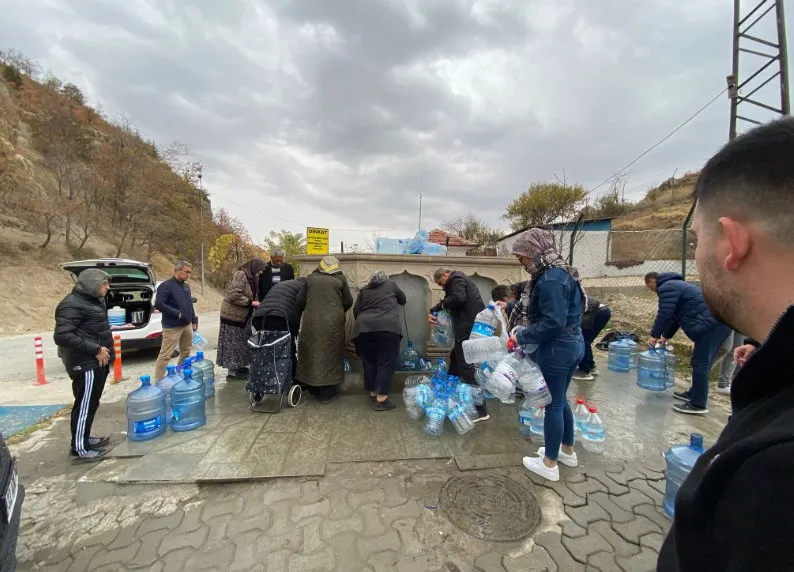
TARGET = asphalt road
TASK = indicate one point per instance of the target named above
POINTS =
(19, 365)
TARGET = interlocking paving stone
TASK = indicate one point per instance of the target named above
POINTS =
(658, 485)
(373, 496)
(124, 538)
(302, 512)
(613, 487)
(393, 492)
(632, 531)
(645, 561)
(175, 541)
(410, 509)
(491, 562)
(552, 543)
(642, 486)
(175, 560)
(373, 525)
(571, 529)
(383, 561)
(116, 557)
(623, 477)
(654, 541)
(218, 527)
(616, 513)
(240, 525)
(368, 546)
(632, 499)
(340, 508)
(151, 524)
(82, 557)
(244, 557)
(214, 556)
(409, 539)
(582, 547)
(312, 540)
(658, 517)
(536, 561)
(584, 515)
(586, 487)
(147, 553)
(620, 545)
(332, 528)
(323, 560)
(650, 473)
(604, 562)
(569, 498)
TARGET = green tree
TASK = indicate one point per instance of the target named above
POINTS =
(73, 92)
(544, 203)
(473, 228)
(293, 244)
(11, 75)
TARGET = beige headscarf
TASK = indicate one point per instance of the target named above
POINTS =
(329, 265)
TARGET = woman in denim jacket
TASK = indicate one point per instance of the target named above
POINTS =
(551, 308)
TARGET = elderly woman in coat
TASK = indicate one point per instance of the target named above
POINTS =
(324, 300)
(377, 335)
(238, 304)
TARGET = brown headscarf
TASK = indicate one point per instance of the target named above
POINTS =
(251, 269)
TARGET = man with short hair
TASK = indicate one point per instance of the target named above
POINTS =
(276, 271)
(463, 301)
(85, 345)
(681, 305)
(735, 510)
(175, 302)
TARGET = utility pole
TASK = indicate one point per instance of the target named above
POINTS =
(420, 202)
(201, 224)
(773, 64)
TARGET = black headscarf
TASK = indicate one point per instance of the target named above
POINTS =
(252, 268)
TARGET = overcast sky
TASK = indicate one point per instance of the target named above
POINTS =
(335, 113)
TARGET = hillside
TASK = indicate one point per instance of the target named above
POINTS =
(75, 184)
(663, 207)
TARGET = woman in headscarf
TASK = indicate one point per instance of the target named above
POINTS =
(324, 299)
(377, 335)
(238, 304)
(550, 308)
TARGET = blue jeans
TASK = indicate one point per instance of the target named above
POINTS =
(603, 315)
(706, 348)
(557, 361)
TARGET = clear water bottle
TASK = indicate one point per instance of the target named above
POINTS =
(580, 414)
(435, 413)
(411, 398)
(441, 332)
(525, 420)
(458, 416)
(207, 369)
(593, 432)
(348, 368)
(439, 367)
(485, 323)
(117, 316)
(166, 384)
(502, 381)
(409, 358)
(634, 352)
(652, 370)
(477, 395)
(416, 380)
(670, 362)
(619, 356)
(537, 420)
(188, 404)
(680, 461)
(479, 350)
(533, 384)
(484, 371)
(146, 412)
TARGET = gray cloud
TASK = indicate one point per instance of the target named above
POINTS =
(329, 112)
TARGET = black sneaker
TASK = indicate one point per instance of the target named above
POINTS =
(90, 456)
(690, 409)
(97, 442)
(384, 405)
(482, 414)
(681, 395)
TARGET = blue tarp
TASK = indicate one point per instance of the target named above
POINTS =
(16, 418)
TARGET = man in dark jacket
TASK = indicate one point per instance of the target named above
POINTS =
(279, 311)
(735, 510)
(85, 345)
(175, 301)
(594, 320)
(276, 271)
(681, 305)
(463, 301)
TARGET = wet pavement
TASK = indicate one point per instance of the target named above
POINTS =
(341, 487)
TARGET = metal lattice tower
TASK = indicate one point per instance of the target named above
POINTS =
(759, 44)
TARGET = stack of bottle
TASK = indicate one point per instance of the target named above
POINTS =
(410, 360)
(439, 397)
(419, 244)
(656, 368)
(441, 332)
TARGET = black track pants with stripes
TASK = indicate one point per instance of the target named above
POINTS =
(87, 387)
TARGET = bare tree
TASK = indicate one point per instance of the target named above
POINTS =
(17, 60)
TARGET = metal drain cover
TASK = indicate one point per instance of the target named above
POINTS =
(490, 507)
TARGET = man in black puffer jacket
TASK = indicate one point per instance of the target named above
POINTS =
(279, 311)
(85, 345)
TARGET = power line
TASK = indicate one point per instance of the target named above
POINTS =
(665, 138)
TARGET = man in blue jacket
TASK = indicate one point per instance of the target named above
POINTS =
(175, 302)
(681, 305)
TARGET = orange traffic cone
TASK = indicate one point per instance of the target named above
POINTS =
(40, 379)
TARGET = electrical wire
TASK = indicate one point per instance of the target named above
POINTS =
(665, 138)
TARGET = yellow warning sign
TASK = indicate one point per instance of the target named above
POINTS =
(316, 240)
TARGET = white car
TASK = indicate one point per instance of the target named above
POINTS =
(133, 286)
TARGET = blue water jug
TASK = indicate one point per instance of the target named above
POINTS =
(166, 384)
(680, 460)
(619, 356)
(146, 412)
(634, 352)
(409, 359)
(188, 410)
(670, 365)
(652, 370)
(207, 369)
(190, 363)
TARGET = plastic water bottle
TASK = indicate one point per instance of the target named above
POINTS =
(199, 341)
(652, 370)
(458, 416)
(390, 246)
(593, 432)
(207, 369)
(477, 395)
(537, 420)
(634, 351)
(117, 316)
(525, 420)
(166, 384)
(670, 362)
(485, 323)
(433, 249)
(441, 331)
(411, 396)
(435, 414)
(619, 356)
(478, 350)
(533, 384)
(409, 359)
(188, 404)
(484, 371)
(502, 381)
(146, 412)
(580, 414)
(440, 367)
(680, 461)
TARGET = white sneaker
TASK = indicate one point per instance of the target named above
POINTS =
(562, 457)
(724, 390)
(537, 466)
(594, 372)
(580, 375)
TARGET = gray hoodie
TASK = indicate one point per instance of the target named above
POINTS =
(89, 281)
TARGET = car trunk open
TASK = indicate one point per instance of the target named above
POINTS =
(132, 287)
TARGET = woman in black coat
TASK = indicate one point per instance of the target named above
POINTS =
(377, 335)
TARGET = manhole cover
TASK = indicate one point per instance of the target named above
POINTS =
(490, 507)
